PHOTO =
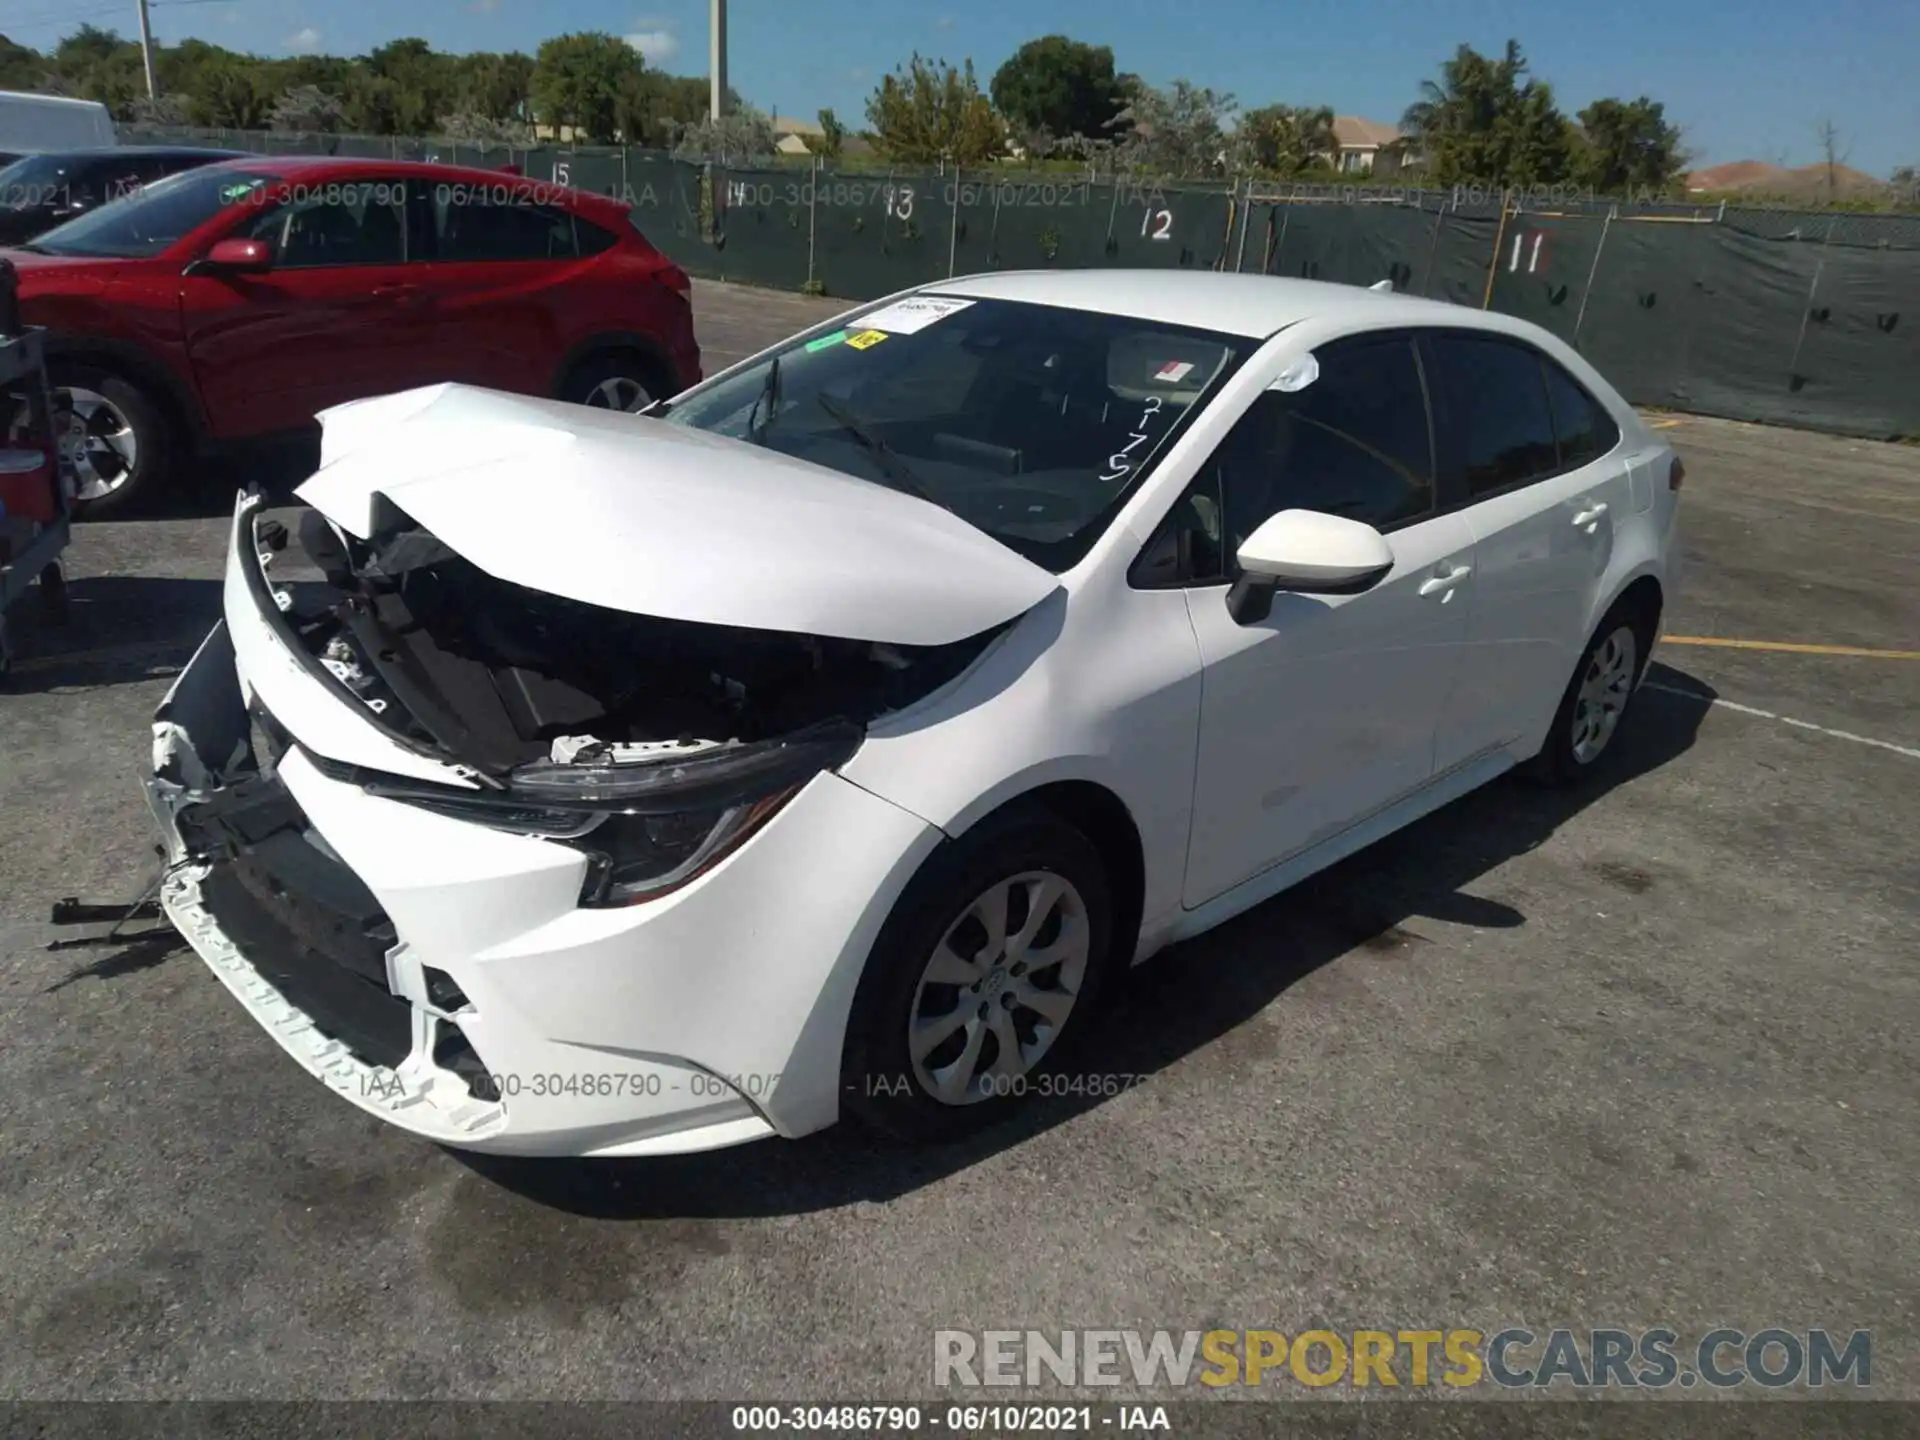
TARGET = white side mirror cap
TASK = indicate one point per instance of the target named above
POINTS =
(1319, 554)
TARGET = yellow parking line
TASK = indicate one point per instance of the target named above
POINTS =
(1791, 648)
(1663, 424)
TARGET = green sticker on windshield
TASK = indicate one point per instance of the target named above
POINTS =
(826, 341)
(237, 192)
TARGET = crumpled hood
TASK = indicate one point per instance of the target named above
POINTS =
(636, 514)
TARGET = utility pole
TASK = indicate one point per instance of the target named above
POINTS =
(146, 48)
(716, 56)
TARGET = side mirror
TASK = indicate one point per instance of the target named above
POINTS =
(234, 257)
(1308, 553)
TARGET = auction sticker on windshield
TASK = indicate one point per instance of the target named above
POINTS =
(908, 317)
(865, 340)
(826, 342)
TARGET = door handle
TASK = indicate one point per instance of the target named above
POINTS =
(1592, 513)
(1445, 580)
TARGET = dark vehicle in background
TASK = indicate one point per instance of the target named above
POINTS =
(236, 301)
(42, 191)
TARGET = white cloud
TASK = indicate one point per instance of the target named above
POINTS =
(304, 41)
(658, 46)
(484, 7)
(945, 22)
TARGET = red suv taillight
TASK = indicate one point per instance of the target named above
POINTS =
(675, 279)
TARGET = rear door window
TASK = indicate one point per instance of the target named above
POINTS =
(1581, 424)
(1496, 396)
(474, 224)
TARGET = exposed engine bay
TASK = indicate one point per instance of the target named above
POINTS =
(496, 675)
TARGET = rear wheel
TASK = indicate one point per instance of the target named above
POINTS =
(618, 381)
(113, 435)
(1596, 698)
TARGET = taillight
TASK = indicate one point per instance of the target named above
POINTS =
(675, 279)
(1676, 475)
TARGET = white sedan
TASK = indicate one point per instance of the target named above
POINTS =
(817, 743)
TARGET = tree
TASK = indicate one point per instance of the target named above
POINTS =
(470, 127)
(1628, 146)
(1057, 87)
(833, 136)
(1284, 139)
(164, 111)
(927, 111)
(227, 95)
(1479, 123)
(308, 110)
(585, 81)
(741, 135)
(496, 86)
(423, 83)
(1181, 130)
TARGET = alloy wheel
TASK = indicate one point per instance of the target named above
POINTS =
(619, 392)
(96, 440)
(998, 988)
(1604, 692)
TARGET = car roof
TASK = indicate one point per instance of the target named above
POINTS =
(1255, 306)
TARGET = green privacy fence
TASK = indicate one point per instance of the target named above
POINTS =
(1807, 319)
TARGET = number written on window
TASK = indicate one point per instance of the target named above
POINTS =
(561, 172)
(900, 202)
(1120, 464)
(1157, 224)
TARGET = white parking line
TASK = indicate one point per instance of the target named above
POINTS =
(1786, 720)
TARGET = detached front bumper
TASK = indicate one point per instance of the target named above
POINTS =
(439, 974)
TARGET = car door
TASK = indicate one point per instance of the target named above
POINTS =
(1534, 459)
(1322, 712)
(493, 259)
(340, 316)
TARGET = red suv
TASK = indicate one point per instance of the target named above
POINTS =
(237, 300)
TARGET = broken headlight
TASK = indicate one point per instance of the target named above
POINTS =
(651, 827)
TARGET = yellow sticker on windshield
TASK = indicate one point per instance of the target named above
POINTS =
(865, 340)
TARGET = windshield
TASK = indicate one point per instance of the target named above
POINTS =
(39, 182)
(146, 222)
(1031, 422)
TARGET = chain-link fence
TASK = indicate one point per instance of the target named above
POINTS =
(1808, 318)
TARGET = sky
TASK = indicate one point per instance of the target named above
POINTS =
(1749, 80)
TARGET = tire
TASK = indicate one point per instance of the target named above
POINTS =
(1023, 851)
(1596, 700)
(618, 380)
(111, 417)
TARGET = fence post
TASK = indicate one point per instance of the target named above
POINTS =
(1246, 223)
(1433, 245)
(953, 221)
(1286, 219)
(813, 207)
(1493, 264)
(1806, 310)
(1592, 270)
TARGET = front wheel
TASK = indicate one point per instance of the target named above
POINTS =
(1596, 699)
(994, 954)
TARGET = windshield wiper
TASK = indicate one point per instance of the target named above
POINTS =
(770, 397)
(32, 249)
(891, 465)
